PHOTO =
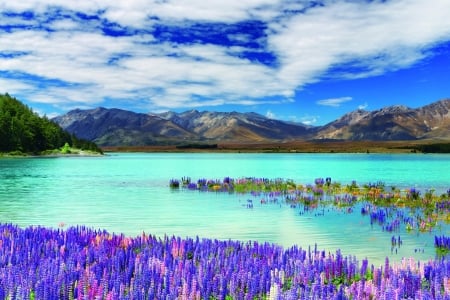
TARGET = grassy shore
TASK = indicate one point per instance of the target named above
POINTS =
(418, 146)
(65, 151)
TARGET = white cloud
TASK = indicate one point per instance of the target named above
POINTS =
(334, 102)
(215, 10)
(363, 106)
(270, 115)
(376, 37)
(65, 24)
(13, 86)
(309, 120)
(77, 64)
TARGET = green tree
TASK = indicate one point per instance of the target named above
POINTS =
(23, 130)
(66, 148)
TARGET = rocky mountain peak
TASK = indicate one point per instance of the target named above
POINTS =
(437, 109)
(353, 117)
(394, 109)
(119, 127)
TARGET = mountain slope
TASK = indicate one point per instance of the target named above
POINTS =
(235, 126)
(112, 127)
(391, 123)
(115, 127)
(436, 116)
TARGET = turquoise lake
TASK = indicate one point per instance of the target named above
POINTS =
(129, 193)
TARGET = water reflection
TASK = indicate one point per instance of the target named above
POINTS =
(130, 194)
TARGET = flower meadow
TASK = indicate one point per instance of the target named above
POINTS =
(82, 263)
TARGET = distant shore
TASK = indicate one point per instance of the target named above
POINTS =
(416, 146)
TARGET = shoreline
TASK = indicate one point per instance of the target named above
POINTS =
(52, 154)
(401, 147)
(49, 155)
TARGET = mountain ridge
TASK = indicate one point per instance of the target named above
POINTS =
(118, 127)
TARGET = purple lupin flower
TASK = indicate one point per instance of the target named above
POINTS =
(95, 264)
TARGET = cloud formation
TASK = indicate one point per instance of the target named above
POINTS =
(191, 53)
(334, 102)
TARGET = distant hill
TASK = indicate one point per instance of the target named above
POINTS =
(23, 131)
(115, 127)
(111, 127)
(391, 123)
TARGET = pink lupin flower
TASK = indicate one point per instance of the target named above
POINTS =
(446, 284)
(62, 250)
(109, 296)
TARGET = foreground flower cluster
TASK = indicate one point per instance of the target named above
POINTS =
(81, 263)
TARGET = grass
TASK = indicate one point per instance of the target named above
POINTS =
(417, 146)
(66, 150)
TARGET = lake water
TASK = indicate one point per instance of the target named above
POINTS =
(129, 193)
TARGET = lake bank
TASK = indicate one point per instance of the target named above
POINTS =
(67, 152)
(418, 146)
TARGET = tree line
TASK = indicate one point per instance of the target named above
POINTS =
(434, 148)
(22, 130)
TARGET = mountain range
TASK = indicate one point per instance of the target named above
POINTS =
(116, 127)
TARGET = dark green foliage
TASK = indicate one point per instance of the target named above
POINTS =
(22, 130)
(434, 148)
(197, 146)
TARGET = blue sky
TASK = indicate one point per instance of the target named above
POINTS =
(303, 61)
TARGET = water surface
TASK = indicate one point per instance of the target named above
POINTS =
(129, 193)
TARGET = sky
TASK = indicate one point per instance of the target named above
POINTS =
(293, 60)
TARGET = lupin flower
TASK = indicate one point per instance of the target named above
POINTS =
(319, 181)
(174, 183)
(99, 265)
(413, 193)
(186, 180)
(192, 186)
(78, 262)
(442, 245)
